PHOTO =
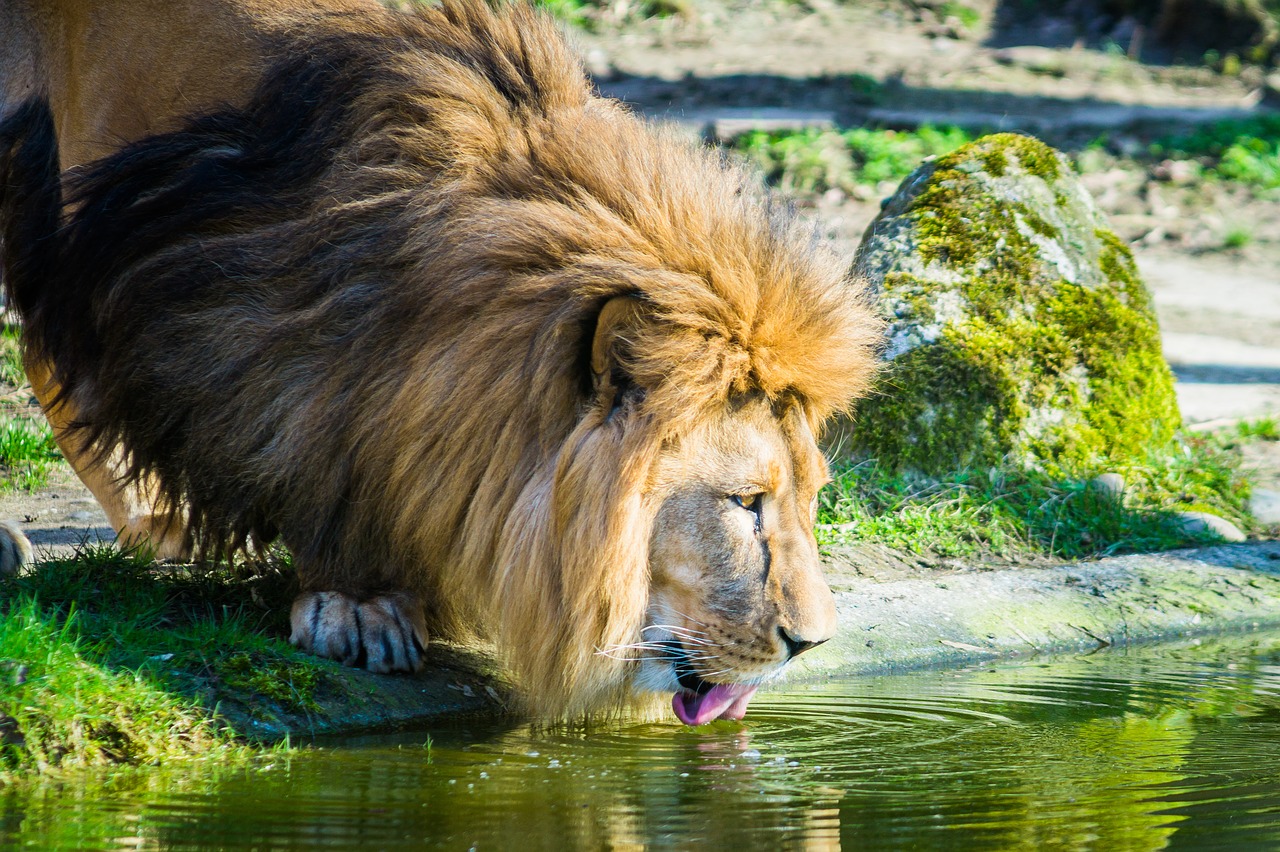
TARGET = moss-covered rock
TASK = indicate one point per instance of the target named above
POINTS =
(1020, 330)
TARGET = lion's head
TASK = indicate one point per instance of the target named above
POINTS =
(736, 589)
(451, 324)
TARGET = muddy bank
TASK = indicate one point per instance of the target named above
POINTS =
(891, 620)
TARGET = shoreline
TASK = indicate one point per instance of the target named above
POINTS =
(886, 627)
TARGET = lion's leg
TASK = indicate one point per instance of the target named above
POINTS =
(387, 633)
(131, 511)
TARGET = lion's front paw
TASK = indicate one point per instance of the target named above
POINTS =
(15, 549)
(383, 634)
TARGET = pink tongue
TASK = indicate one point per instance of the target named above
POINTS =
(722, 701)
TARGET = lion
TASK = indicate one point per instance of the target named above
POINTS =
(486, 352)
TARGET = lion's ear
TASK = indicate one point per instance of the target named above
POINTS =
(620, 315)
(619, 319)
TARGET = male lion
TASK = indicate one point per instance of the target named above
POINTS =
(484, 350)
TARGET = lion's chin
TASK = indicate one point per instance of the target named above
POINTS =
(722, 701)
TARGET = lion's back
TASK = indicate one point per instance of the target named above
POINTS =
(115, 71)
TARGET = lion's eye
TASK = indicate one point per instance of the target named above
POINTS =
(750, 502)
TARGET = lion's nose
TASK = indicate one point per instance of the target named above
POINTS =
(797, 645)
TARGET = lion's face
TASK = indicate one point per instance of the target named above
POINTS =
(736, 586)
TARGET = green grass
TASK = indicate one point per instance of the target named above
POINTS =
(27, 448)
(1244, 151)
(64, 709)
(107, 660)
(575, 12)
(1264, 428)
(1018, 514)
(27, 453)
(11, 371)
(808, 162)
(587, 13)
(1237, 237)
(813, 161)
(966, 15)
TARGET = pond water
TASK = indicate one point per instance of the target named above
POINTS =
(1152, 748)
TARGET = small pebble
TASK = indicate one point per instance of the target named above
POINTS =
(1109, 485)
(1199, 522)
(1265, 505)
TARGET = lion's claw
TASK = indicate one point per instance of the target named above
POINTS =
(383, 634)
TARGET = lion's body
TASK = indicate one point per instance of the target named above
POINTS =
(367, 310)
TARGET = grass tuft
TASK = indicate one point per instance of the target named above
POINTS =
(814, 161)
(811, 161)
(27, 453)
(1237, 237)
(1264, 428)
(114, 660)
(11, 370)
(62, 708)
(1006, 514)
(1244, 151)
(27, 448)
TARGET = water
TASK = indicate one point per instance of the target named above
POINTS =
(1175, 747)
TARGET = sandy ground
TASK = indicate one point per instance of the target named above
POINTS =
(752, 63)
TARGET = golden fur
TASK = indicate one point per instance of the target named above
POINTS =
(506, 350)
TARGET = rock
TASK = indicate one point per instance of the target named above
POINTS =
(1179, 172)
(1265, 505)
(10, 733)
(1271, 90)
(1109, 485)
(1196, 523)
(1021, 332)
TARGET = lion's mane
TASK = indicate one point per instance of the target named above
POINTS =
(358, 313)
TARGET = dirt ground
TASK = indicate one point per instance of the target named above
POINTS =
(725, 65)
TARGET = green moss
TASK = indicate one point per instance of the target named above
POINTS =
(288, 680)
(1131, 407)
(917, 419)
(1119, 267)
(1022, 335)
(1031, 156)
(957, 226)
(994, 162)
